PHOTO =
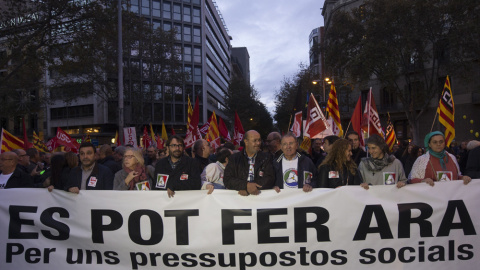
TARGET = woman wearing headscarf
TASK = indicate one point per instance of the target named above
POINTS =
(133, 176)
(380, 168)
(338, 168)
(436, 164)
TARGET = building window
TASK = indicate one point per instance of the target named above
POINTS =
(187, 34)
(157, 92)
(167, 10)
(168, 93)
(197, 2)
(197, 75)
(167, 26)
(187, 14)
(168, 112)
(197, 54)
(178, 93)
(134, 6)
(156, 8)
(156, 24)
(158, 112)
(179, 113)
(71, 112)
(196, 15)
(178, 29)
(177, 12)
(188, 73)
(197, 38)
(146, 7)
(187, 54)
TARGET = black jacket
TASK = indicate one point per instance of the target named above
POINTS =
(185, 176)
(304, 164)
(103, 174)
(110, 163)
(328, 177)
(358, 154)
(202, 162)
(236, 172)
(473, 163)
(19, 179)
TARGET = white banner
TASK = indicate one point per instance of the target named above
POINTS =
(416, 227)
(130, 136)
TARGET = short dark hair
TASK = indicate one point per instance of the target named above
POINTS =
(352, 132)
(229, 145)
(378, 141)
(331, 139)
(223, 154)
(87, 144)
(176, 137)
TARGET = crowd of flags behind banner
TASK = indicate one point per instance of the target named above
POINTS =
(316, 125)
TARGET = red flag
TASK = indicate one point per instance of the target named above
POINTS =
(371, 120)
(193, 133)
(222, 128)
(159, 141)
(26, 143)
(297, 125)
(52, 144)
(238, 131)
(204, 129)
(173, 131)
(147, 140)
(357, 120)
(316, 122)
(62, 138)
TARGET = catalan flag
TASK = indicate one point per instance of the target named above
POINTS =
(189, 112)
(446, 112)
(213, 135)
(332, 109)
(39, 144)
(391, 138)
(9, 142)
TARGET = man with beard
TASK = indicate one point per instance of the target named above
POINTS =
(90, 175)
(176, 171)
(250, 170)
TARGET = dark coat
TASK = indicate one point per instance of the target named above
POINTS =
(19, 179)
(103, 174)
(110, 163)
(304, 163)
(236, 172)
(473, 163)
(345, 177)
(358, 154)
(187, 167)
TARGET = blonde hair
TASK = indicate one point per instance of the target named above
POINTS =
(137, 154)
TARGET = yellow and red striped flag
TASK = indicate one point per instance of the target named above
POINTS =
(39, 144)
(446, 112)
(213, 135)
(189, 112)
(9, 142)
(391, 138)
(332, 109)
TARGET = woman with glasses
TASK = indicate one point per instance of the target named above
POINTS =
(436, 164)
(133, 176)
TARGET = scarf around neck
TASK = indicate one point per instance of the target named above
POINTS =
(142, 176)
(376, 165)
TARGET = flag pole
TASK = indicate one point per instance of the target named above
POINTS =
(369, 106)
(289, 122)
(346, 131)
(435, 118)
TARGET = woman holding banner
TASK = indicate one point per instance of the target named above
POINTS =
(436, 164)
(133, 176)
(380, 168)
(338, 168)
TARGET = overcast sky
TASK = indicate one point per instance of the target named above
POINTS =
(275, 33)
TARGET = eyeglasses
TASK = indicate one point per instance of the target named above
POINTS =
(176, 145)
(128, 156)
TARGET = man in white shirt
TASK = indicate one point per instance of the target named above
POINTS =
(10, 175)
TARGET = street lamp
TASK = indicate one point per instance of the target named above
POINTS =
(326, 79)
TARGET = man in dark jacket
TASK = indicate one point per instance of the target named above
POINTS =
(357, 152)
(202, 150)
(106, 158)
(90, 175)
(473, 161)
(177, 171)
(292, 169)
(249, 170)
(10, 175)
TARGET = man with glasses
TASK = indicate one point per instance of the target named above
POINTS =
(90, 175)
(250, 170)
(176, 171)
(10, 175)
(292, 169)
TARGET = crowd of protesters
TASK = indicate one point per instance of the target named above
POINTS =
(274, 163)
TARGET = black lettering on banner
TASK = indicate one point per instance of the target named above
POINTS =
(314, 257)
(242, 262)
(229, 226)
(364, 227)
(189, 260)
(464, 250)
(263, 259)
(207, 262)
(401, 255)
(264, 226)
(89, 255)
(170, 259)
(301, 224)
(153, 258)
(97, 223)
(437, 255)
(78, 260)
(15, 225)
(465, 221)
(336, 254)
(156, 227)
(47, 219)
(11, 252)
(138, 259)
(181, 223)
(232, 260)
(421, 251)
(303, 256)
(392, 255)
(368, 259)
(32, 255)
(111, 257)
(287, 257)
(405, 219)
